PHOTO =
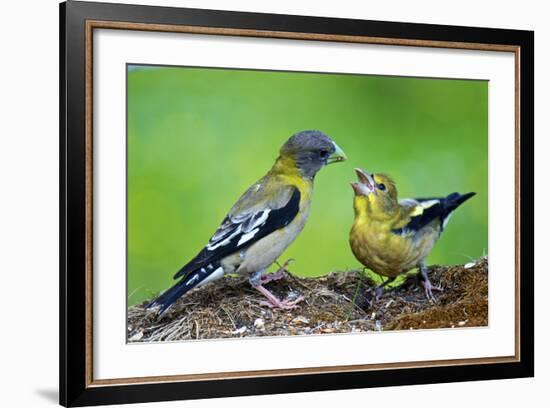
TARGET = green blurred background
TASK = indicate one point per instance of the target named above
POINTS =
(197, 138)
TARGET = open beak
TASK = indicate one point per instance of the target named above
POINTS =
(366, 183)
(337, 156)
(365, 178)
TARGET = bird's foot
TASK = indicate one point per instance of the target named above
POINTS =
(275, 303)
(378, 291)
(429, 288)
(282, 304)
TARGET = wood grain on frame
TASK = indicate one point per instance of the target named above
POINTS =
(99, 24)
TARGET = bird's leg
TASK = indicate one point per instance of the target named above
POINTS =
(380, 288)
(281, 273)
(272, 300)
(428, 287)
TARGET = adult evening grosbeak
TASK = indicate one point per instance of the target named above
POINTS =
(391, 237)
(263, 223)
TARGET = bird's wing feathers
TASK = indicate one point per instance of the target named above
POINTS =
(423, 211)
(259, 212)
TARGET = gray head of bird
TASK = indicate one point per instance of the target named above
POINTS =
(309, 151)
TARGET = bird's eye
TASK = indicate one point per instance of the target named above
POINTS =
(323, 154)
(381, 187)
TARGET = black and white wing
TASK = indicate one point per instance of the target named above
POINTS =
(424, 211)
(247, 224)
(260, 211)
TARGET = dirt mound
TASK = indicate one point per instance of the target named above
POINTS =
(341, 302)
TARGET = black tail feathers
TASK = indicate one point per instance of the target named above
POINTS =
(454, 200)
(451, 203)
(188, 282)
(169, 296)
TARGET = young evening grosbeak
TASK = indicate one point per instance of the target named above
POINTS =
(391, 237)
(263, 223)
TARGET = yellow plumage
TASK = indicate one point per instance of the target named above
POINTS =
(285, 172)
(391, 237)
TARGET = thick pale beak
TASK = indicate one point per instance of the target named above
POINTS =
(337, 156)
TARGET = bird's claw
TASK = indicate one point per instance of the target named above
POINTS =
(428, 290)
(283, 304)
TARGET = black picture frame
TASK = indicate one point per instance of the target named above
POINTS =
(75, 386)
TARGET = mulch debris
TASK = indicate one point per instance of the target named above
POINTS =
(341, 302)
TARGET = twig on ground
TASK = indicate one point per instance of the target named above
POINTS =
(333, 304)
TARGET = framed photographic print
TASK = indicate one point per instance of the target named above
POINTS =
(256, 203)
